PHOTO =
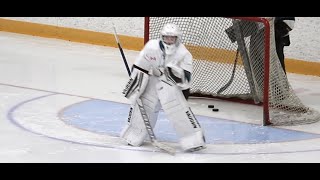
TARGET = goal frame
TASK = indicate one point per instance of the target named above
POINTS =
(265, 103)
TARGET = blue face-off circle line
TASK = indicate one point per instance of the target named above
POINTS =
(10, 116)
(109, 117)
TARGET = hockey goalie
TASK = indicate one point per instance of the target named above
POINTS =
(161, 78)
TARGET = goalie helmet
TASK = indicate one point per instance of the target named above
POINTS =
(170, 36)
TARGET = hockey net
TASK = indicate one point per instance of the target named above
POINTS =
(235, 58)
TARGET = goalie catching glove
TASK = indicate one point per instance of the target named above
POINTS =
(173, 75)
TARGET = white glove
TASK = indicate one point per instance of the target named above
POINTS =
(176, 70)
(167, 78)
(157, 71)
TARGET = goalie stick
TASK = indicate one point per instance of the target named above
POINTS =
(121, 50)
(246, 60)
(232, 75)
(153, 139)
(151, 134)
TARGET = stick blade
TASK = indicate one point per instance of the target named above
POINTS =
(164, 147)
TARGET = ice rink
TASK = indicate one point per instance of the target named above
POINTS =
(62, 102)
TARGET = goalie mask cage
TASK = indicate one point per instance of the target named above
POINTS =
(235, 58)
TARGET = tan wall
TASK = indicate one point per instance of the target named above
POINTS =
(128, 42)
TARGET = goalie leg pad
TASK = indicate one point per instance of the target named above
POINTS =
(195, 140)
(132, 132)
(135, 131)
(179, 113)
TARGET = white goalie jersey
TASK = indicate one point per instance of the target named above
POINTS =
(153, 57)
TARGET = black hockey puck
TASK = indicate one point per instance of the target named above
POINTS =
(210, 106)
(215, 109)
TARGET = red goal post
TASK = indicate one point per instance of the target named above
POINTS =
(234, 59)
